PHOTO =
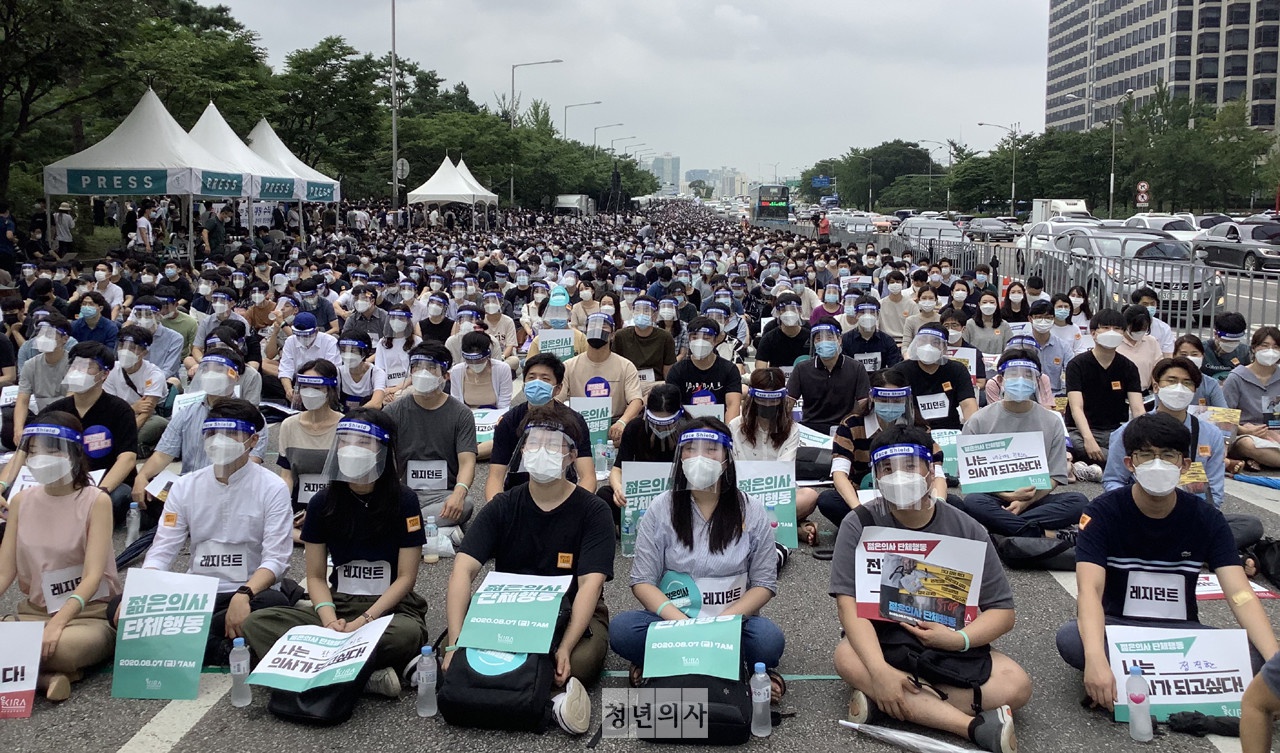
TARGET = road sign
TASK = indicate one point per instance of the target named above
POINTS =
(1143, 199)
(402, 168)
(1143, 186)
(821, 181)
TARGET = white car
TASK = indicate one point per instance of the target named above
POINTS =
(1176, 226)
(1039, 237)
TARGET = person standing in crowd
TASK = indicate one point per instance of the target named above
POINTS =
(59, 534)
(363, 538)
(64, 223)
(882, 680)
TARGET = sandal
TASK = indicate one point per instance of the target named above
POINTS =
(777, 686)
(808, 531)
(635, 676)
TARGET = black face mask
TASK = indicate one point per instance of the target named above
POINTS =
(597, 342)
(767, 412)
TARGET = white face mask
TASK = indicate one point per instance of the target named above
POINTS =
(79, 381)
(216, 384)
(465, 327)
(987, 309)
(1076, 302)
(399, 325)
(313, 398)
(701, 472)
(492, 308)
(928, 305)
(220, 308)
(127, 358)
(789, 318)
(700, 348)
(435, 310)
(1109, 339)
(356, 463)
(46, 344)
(867, 321)
(954, 335)
(258, 298)
(895, 288)
(1175, 397)
(1268, 356)
(1197, 360)
(205, 289)
(610, 310)
(586, 295)
(426, 383)
(476, 368)
(223, 450)
(1015, 298)
(928, 353)
(362, 305)
(904, 489)
(1042, 325)
(1156, 477)
(351, 360)
(48, 469)
(544, 465)
(100, 276)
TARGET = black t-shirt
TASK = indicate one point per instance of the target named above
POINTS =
(721, 379)
(1152, 565)
(951, 381)
(7, 354)
(438, 332)
(1105, 392)
(345, 544)
(778, 349)
(506, 435)
(109, 429)
(638, 445)
(575, 538)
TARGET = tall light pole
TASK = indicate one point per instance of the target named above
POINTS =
(869, 164)
(775, 170)
(511, 113)
(596, 136)
(629, 147)
(1111, 200)
(564, 129)
(950, 156)
(1013, 175)
(395, 117)
(614, 141)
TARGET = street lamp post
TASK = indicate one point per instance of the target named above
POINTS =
(395, 116)
(511, 113)
(629, 147)
(596, 136)
(564, 129)
(775, 170)
(614, 141)
(869, 164)
(1111, 200)
(1013, 175)
(950, 157)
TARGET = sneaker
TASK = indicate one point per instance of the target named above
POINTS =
(1068, 534)
(409, 677)
(572, 708)
(993, 730)
(860, 707)
(452, 533)
(384, 682)
(784, 555)
(1087, 471)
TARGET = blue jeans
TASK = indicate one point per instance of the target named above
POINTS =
(1054, 512)
(762, 641)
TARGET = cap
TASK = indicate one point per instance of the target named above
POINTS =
(304, 321)
(559, 297)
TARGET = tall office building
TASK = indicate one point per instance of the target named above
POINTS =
(667, 169)
(1214, 51)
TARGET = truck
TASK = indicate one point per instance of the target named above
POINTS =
(575, 203)
(1044, 209)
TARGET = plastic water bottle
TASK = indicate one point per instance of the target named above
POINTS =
(432, 553)
(598, 452)
(1139, 694)
(771, 510)
(427, 683)
(241, 693)
(610, 454)
(132, 523)
(761, 690)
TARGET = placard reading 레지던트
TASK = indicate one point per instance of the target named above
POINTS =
(309, 657)
(1186, 670)
(1002, 462)
(905, 575)
(772, 483)
(641, 482)
(700, 646)
(19, 667)
(514, 613)
(164, 626)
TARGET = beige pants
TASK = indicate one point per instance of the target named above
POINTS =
(87, 640)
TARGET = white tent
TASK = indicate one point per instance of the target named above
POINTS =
(319, 187)
(269, 181)
(486, 196)
(147, 154)
(446, 186)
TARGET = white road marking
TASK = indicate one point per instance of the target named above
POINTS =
(167, 728)
(1259, 496)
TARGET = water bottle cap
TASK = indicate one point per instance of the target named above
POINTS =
(759, 667)
(133, 505)
(426, 651)
(1135, 670)
(238, 643)
(431, 518)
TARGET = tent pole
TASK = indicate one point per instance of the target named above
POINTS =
(48, 221)
(191, 230)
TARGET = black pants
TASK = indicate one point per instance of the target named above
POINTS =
(606, 493)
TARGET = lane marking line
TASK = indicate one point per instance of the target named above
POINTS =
(175, 720)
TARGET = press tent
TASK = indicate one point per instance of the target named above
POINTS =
(488, 197)
(314, 186)
(269, 181)
(446, 186)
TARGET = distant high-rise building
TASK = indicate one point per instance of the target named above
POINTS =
(1213, 52)
(667, 169)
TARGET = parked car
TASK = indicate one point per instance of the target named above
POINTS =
(922, 235)
(1039, 236)
(989, 229)
(1206, 221)
(1250, 246)
(1175, 226)
(1112, 262)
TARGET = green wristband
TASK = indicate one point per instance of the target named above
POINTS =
(661, 607)
(323, 604)
(964, 635)
(78, 598)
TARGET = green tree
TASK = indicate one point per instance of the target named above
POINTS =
(700, 189)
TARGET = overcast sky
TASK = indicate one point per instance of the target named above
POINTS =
(741, 84)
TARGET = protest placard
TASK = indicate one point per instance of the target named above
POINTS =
(1186, 670)
(160, 642)
(309, 657)
(486, 420)
(772, 484)
(1002, 462)
(641, 482)
(946, 441)
(558, 342)
(1209, 589)
(514, 613)
(598, 413)
(905, 575)
(19, 667)
(701, 646)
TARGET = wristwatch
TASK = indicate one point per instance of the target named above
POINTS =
(246, 591)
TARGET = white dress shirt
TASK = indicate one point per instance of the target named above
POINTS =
(293, 355)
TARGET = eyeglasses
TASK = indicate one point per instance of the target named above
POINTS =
(1141, 457)
(1174, 381)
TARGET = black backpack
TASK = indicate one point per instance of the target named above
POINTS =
(490, 690)
(728, 707)
(1035, 553)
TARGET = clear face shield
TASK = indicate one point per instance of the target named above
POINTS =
(426, 374)
(703, 455)
(667, 308)
(130, 352)
(359, 453)
(399, 324)
(904, 475)
(53, 452)
(702, 342)
(83, 375)
(599, 327)
(467, 319)
(893, 405)
(226, 440)
(546, 453)
(663, 425)
(314, 392)
(928, 347)
(46, 337)
(824, 341)
(147, 317)
(1019, 380)
(216, 376)
(788, 313)
(768, 404)
(643, 314)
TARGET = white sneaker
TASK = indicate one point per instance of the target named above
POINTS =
(452, 533)
(384, 682)
(1087, 471)
(572, 708)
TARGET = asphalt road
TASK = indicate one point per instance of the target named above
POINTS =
(1054, 720)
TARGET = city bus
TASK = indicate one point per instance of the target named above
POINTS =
(770, 203)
